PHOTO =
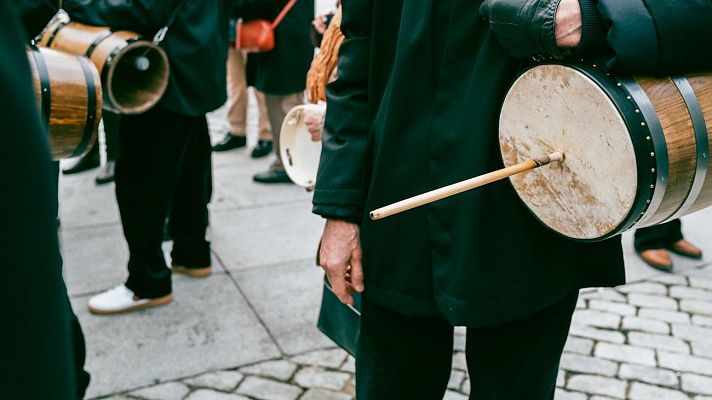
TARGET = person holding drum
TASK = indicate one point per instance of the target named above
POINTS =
(279, 73)
(164, 164)
(40, 332)
(416, 107)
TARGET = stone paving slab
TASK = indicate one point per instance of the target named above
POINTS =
(287, 298)
(265, 236)
(208, 326)
(94, 258)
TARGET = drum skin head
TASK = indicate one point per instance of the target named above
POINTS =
(300, 155)
(590, 193)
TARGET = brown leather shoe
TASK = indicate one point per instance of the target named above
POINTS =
(192, 272)
(658, 259)
(686, 249)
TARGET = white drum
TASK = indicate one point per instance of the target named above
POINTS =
(300, 154)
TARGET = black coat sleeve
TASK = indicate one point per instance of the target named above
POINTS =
(658, 36)
(340, 188)
(143, 16)
(35, 14)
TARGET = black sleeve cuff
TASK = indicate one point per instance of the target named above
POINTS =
(344, 213)
(593, 31)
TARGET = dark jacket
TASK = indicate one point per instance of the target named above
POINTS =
(196, 43)
(283, 70)
(415, 108)
(35, 339)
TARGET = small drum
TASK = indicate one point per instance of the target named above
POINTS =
(300, 155)
(134, 72)
(69, 99)
(637, 150)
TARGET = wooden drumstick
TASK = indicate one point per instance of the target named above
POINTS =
(457, 188)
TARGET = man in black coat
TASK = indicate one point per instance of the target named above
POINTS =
(42, 348)
(416, 107)
(165, 159)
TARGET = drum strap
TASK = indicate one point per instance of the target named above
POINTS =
(45, 87)
(89, 123)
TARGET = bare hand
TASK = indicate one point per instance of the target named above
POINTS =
(314, 120)
(340, 256)
(568, 24)
(319, 23)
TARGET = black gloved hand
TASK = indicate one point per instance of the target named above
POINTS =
(524, 27)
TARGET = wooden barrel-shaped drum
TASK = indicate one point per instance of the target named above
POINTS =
(134, 72)
(69, 99)
(637, 149)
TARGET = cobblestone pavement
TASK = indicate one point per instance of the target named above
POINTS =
(649, 340)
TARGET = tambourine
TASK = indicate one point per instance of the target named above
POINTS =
(300, 154)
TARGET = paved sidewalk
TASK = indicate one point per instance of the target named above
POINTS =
(248, 332)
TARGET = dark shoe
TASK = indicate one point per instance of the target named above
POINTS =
(106, 173)
(86, 162)
(230, 142)
(686, 249)
(263, 148)
(272, 176)
(657, 258)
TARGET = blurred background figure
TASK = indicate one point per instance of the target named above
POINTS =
(280, 73)
(654, 243)
(237, 102)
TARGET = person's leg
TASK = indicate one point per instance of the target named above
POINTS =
(189, 212)
(402, 357)
(277, 109)
(264, 137)
(236, 102)
(654, 237)
(152, 149)
(519, 359)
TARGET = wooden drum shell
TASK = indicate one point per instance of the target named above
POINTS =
(69, 99)
(667, 122)
(127, 91)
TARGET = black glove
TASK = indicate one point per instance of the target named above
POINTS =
(524, 27)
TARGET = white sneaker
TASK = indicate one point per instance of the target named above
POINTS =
(121, 300)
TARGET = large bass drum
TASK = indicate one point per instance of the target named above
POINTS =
(637, 150)
(69, 97)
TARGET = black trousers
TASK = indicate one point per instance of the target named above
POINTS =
(165, 164)
(402, 357)
(658, 236)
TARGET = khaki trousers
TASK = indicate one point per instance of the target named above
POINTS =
(237, 98)
(277, 109)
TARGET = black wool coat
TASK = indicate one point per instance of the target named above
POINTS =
(416, 107)
(196, 43)
(283, 70)
(35, 338)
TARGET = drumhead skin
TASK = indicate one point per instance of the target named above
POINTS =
(300, 155)
(591, 193)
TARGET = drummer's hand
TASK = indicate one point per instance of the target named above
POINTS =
(340, 256)
(314, 120)
(568, 24)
